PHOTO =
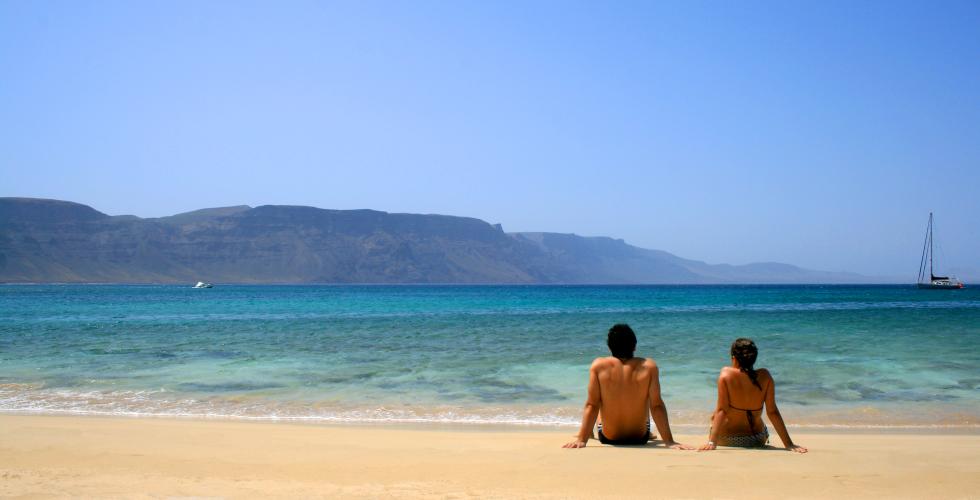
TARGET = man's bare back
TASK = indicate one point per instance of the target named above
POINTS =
(623, 388)
(623, 392)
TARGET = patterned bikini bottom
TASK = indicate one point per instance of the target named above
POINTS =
(756, 440)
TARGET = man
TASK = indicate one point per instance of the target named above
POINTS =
(621, 388)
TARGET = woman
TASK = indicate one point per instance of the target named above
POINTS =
(742, 390)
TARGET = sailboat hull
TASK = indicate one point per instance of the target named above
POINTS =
(940, 286)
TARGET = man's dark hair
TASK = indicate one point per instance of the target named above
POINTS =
(621, 341)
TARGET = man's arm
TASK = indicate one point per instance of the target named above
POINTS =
(592, 403)
(658, 410)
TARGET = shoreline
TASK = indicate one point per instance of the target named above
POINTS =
(90, 456)
(465, 425)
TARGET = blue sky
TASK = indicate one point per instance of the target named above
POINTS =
(815, 133)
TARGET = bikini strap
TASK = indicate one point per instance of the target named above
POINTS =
(748, 416)
(743, 409)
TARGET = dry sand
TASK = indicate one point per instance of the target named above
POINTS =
(53, 456)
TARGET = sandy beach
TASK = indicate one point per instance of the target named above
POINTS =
(56, 456)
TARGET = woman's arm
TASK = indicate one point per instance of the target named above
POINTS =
(777, 419)
(718, 418)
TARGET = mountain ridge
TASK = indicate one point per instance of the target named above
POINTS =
(61, 241)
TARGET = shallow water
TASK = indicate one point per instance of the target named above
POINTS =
(841, 355)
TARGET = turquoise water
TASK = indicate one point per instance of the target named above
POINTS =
(841, 355)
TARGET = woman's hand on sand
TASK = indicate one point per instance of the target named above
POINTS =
(797, 448)
(708, 447)
(575, 444)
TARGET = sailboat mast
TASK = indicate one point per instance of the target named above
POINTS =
(930, 247)
(922, 259)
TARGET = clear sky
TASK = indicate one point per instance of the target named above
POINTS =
(815, 133)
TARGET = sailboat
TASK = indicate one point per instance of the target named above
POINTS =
(933, 282)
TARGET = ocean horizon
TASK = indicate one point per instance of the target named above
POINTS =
(843, 356)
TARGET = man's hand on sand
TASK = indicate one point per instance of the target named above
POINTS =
(678, 446)
(797, 448)
(575, 444)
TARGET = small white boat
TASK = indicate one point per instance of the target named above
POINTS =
(201, 284)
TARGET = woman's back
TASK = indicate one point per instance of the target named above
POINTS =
(745, 399)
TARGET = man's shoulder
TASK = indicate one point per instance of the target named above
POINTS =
(609, 361)
(648, 362)
(603, 362)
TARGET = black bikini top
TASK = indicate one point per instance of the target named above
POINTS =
(748, 415)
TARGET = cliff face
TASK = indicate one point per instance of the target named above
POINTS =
(54, 241)
(303, 244)
(58, 241)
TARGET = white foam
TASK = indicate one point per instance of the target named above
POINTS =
(30, 399)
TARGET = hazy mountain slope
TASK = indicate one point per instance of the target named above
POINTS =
(607, 260)
(58, 241)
